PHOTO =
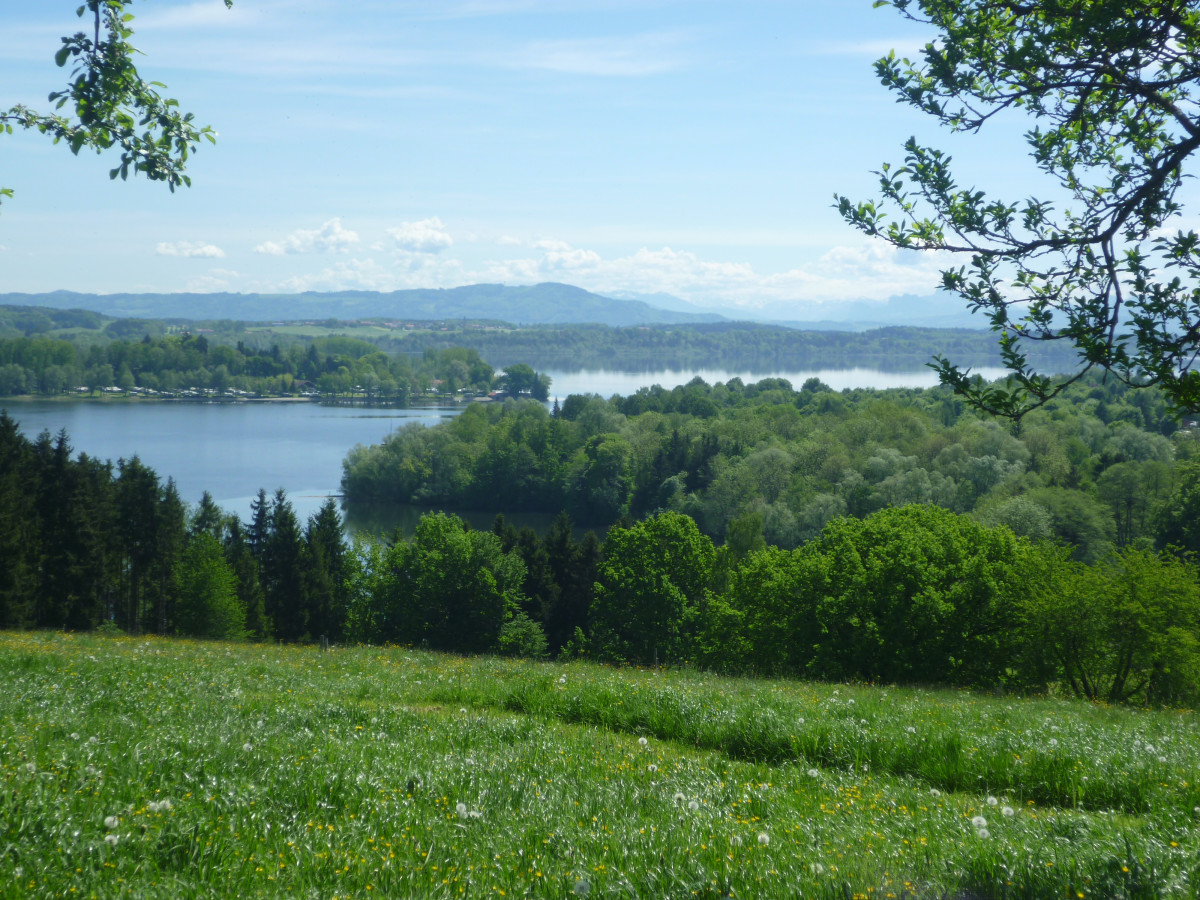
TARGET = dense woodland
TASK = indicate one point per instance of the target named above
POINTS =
(171, 364)
(262, 358)
(880, 536)
(1094, 469)
(741, 346)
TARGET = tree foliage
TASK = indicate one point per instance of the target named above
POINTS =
(1111, 89)
(108, 105)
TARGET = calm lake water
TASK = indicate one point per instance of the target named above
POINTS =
(233, 449)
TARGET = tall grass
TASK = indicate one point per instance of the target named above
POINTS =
(154, 768)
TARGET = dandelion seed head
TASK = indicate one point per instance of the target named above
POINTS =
(764, 838)
(74, 735)
(111, 822)
(979, 822)
(911, 729)
(582, 888)
(693, 805)
(813, 773)
(30, 767)
(247, 747)
(935, 792)
(474, 814)
(642, 742)
(111, 839)
(800, 721)
(1007, 811)
(992, 801)
(1162, 759)
(652, 768)
(461, 809)
(1053, 742)
(679, 798)
(562, 679)
(817, 868)
(463, 710)
(736, 840)
(984, 833)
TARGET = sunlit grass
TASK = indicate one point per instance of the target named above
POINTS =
(165, 768)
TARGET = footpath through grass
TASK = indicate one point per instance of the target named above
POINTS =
(156, 768)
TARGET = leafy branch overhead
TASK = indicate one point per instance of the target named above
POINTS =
(108, 105)
(1111, 87)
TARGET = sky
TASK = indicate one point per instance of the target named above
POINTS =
(690, 147)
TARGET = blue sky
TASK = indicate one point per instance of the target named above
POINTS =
(688, 147)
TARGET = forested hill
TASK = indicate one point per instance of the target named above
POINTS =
(547, 303)
(737, 346)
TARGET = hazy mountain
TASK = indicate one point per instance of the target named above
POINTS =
(927, 311)
(550, 304)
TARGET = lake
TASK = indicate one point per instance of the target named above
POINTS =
(233, 449)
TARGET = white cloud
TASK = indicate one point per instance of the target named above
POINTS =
(363, 274)
(215, 280)
(189, 249)
(864, 271)
(330, 236)
(844, 273)
(623, 56)
(425, 236)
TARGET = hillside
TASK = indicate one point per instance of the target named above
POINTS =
(547, 303)
(168, 767)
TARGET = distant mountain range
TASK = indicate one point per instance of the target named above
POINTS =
(922, 311)
(539, 304)
(545, 304)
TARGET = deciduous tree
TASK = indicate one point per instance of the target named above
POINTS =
(108, 105)
(1111, 88)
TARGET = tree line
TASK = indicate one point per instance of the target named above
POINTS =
(906, 594)
(728, 345)
(332, 366)
(1095, 469)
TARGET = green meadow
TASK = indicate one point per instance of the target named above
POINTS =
(167, 768)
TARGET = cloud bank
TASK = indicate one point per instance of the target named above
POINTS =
(189, 249)
(330, 236)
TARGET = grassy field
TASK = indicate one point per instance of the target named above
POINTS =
(157, 768)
